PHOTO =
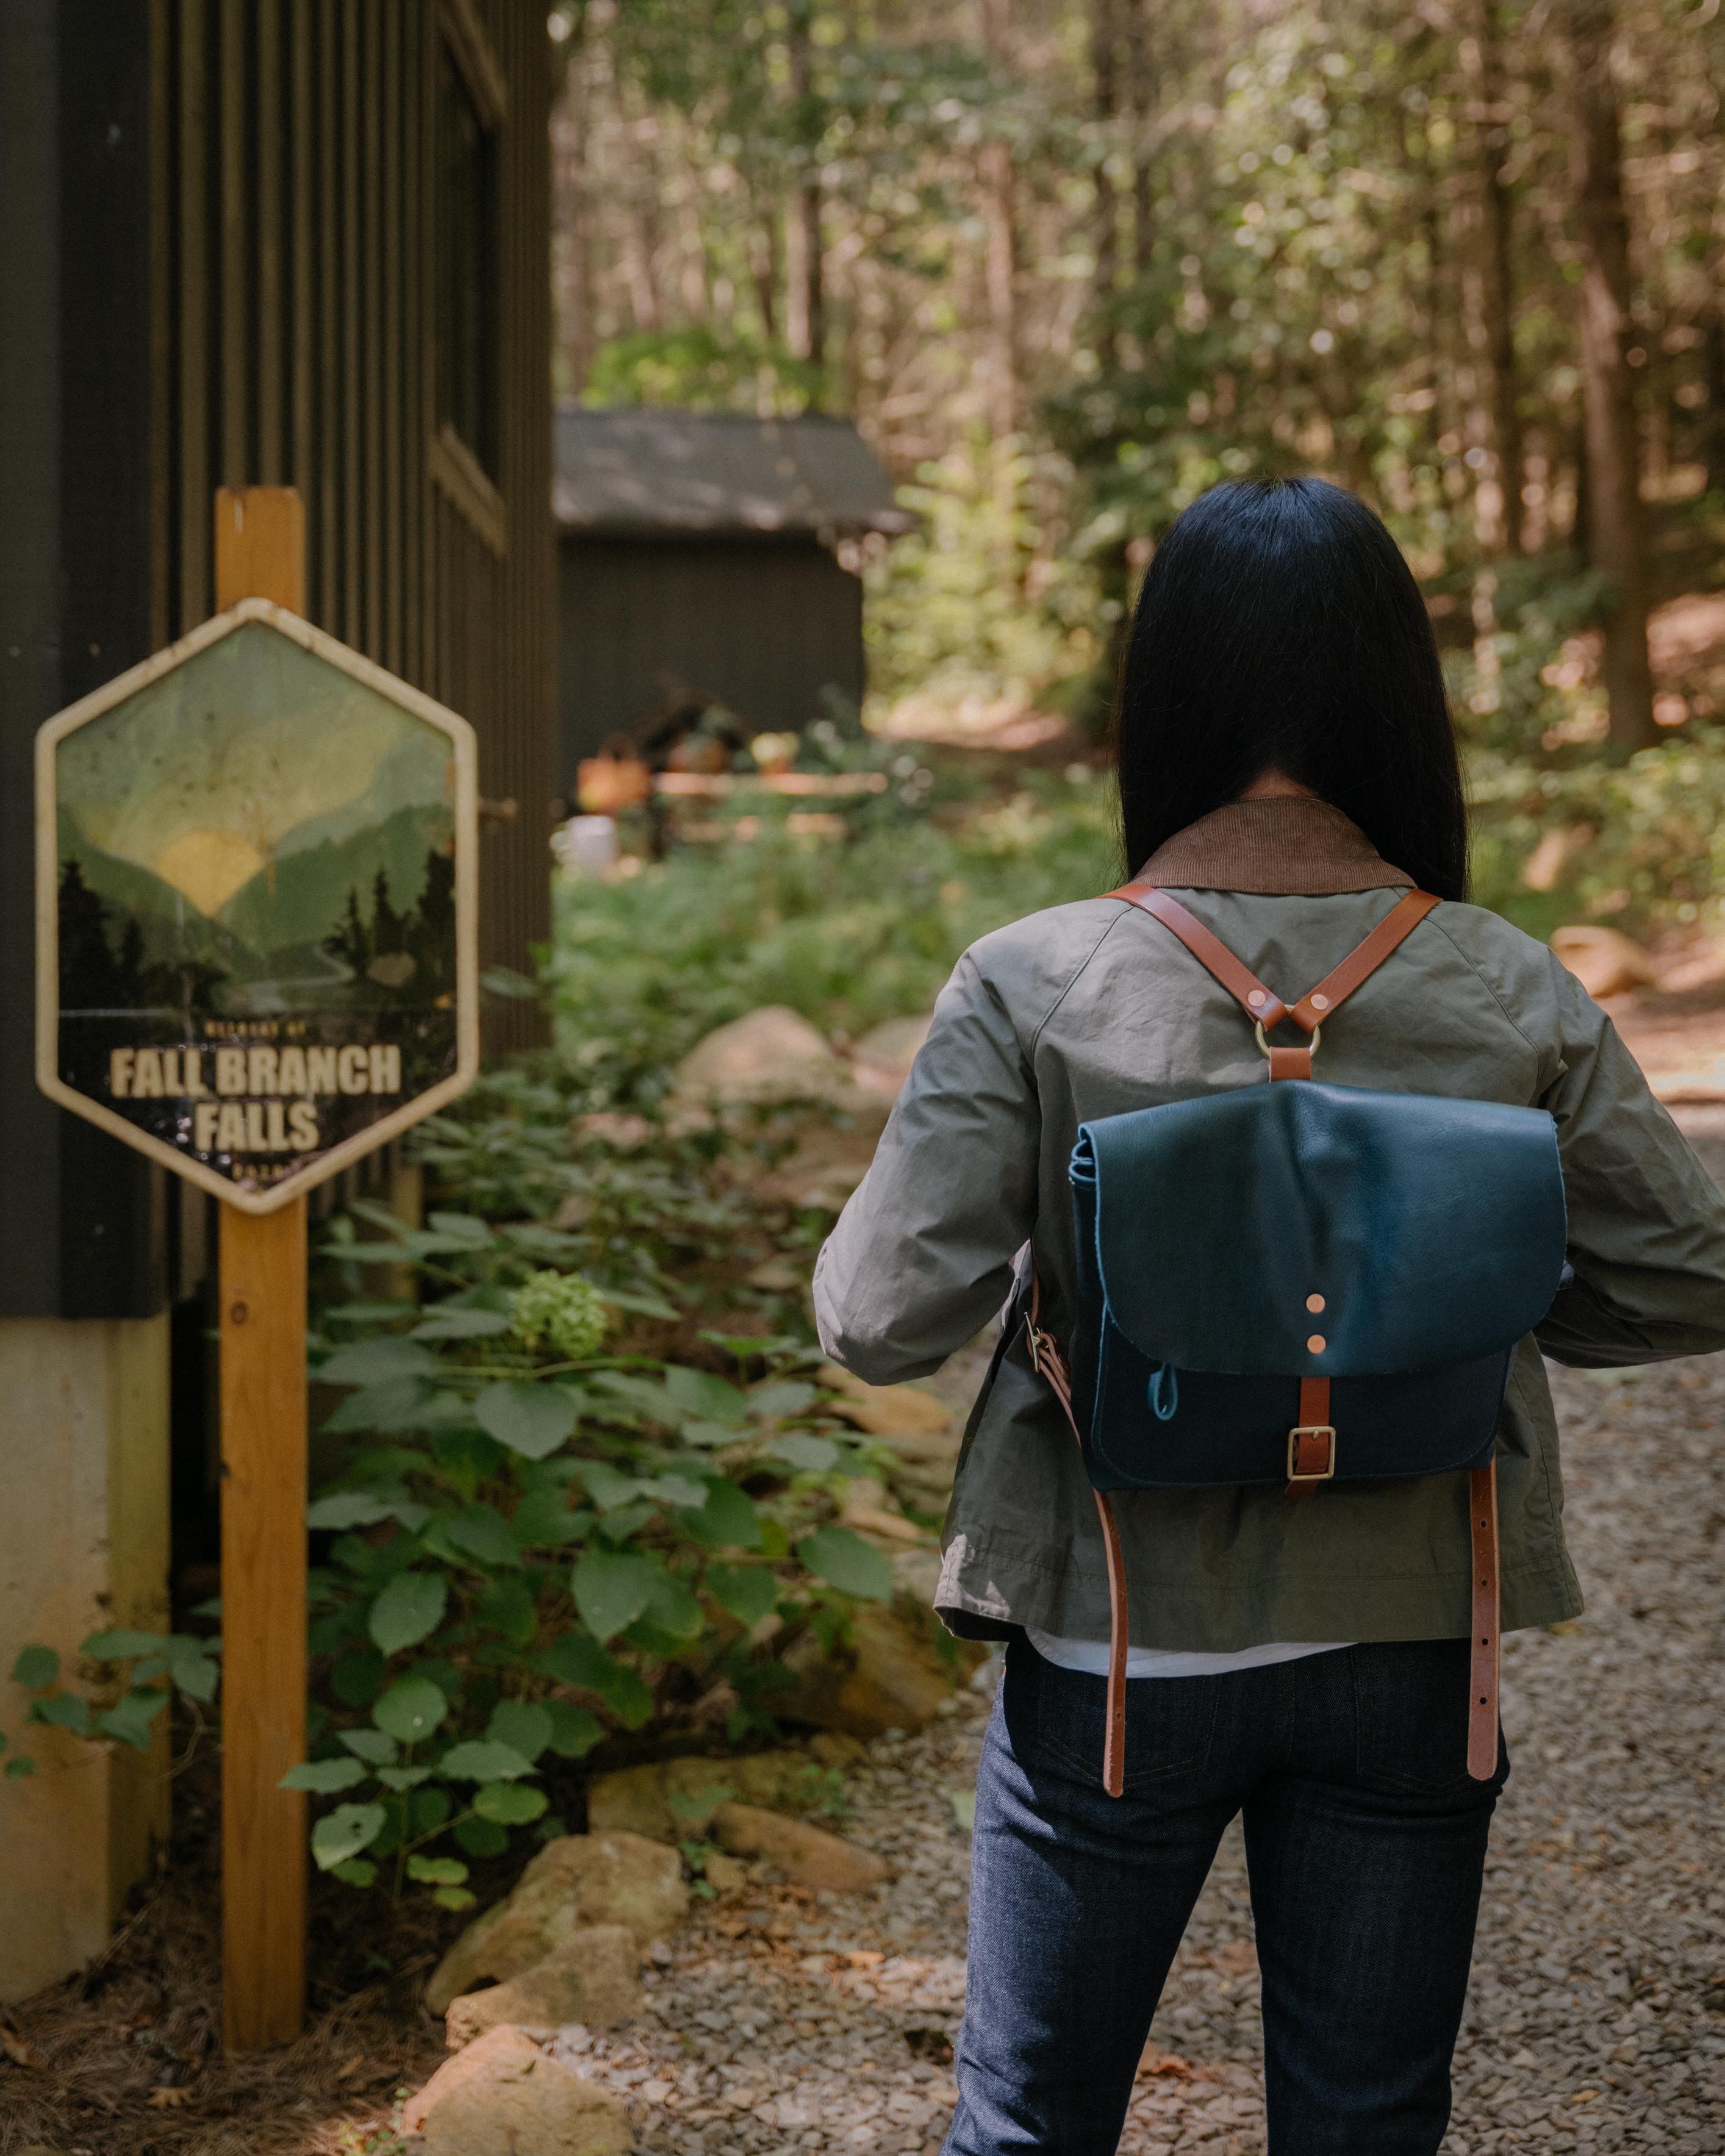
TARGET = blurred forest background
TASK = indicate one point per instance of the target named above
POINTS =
(1069, 262)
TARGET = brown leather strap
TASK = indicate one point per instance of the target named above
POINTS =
(1046, 1358)
(1487, 1612)
(1248, 991)
(1405, 915)
(1257, 1001)
(1311, 1444)
(1289, 1062)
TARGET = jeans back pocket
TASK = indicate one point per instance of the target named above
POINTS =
(1170, 1721)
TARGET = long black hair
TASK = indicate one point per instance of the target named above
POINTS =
(1279, 627)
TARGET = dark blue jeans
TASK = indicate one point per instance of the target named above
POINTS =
(1365, 1844)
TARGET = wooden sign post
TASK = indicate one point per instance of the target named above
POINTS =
(257, 962)
(260, 554)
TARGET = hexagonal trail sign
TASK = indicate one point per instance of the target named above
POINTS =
(256, 956)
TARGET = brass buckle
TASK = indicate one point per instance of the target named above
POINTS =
(1312, 1039)
(1311, 1430)
(1034, 1339)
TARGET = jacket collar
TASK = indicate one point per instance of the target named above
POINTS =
(1293, 845)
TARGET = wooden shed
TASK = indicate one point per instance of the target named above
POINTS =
(701, 561)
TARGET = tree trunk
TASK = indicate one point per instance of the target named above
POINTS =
(571, 242)
(1140, 70)
(1617, 529)
(1000, 257)
(805, 294)
(1104, 64)
(1487, 293)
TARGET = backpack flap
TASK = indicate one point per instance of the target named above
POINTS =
(1400, 1245)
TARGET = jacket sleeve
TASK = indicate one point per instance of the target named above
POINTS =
(1646, 1221)
(922, 1256)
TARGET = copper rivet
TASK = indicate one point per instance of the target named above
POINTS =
(1256, 998)
(1320, 1003)
(1317, 1344)
(1314, 1303)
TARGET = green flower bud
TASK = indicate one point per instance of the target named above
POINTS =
(561, 1311)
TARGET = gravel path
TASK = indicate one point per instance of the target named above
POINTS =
(1596, 2020)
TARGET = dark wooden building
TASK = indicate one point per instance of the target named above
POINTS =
(700, 563)
(265, 241)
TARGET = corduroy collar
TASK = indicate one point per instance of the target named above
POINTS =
(1290, 846)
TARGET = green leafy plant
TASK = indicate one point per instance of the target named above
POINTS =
(135, 1673)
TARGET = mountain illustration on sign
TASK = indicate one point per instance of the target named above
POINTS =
(216, 862)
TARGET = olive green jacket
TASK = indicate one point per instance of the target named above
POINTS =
(1094, 1009)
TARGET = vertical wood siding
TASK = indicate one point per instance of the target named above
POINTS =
(294, 274)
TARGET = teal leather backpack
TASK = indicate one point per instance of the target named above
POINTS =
(1304, 1284)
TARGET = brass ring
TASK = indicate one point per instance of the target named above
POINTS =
(1318, 1035)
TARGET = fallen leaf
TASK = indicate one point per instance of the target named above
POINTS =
(168, 2099)
(13, 2044)
(1155, 2062)
(866, 1958)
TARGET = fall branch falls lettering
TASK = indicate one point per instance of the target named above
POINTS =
(272, 1120)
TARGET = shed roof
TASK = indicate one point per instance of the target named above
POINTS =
(641, 469)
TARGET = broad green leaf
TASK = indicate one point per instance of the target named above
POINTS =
(409, 1608)
(130, 1720)
(429, 1810)
(508, 1607)
(543, 1519)
(509, 1804)
(730, 1516)
(674, 1609)
(747, 1591)
(345, 1509)
(458, 1324)
(369, 1313)
(397, 1404)
(466, 1228)
(121, 1646)
(371, 1745)
(483, 1532)
(581, 1662)
(356, 1872)
(19, 1766)
(374, 1362)
(65, 1710)
(812, 1455)
(532, 1419)
(410, 1710)
(192, 1667)
(674, 1489)
(780, 1396)
(403, 1778)
(523, 1725)
(607, 1485)
(612, 1590)
(699, 1393)
(481, 1837)
(323, 1778)
(483, 1759)
(36, 1667)
(342, 1833)
(842, 1558)
(437, 1870)
(454, 1898)
(573, 1731)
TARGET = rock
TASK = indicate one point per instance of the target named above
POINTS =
(492, 2053)
(834, 1748)
(882, 1060)
(887, 1411)
(577, 1881)
(673, 1798)
(894, 1679)
(724, 1874)
(866, 1509)
(808, 1855)
(1603, 960)
(502, 2097)
(772, 1056)
(595, 1980)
